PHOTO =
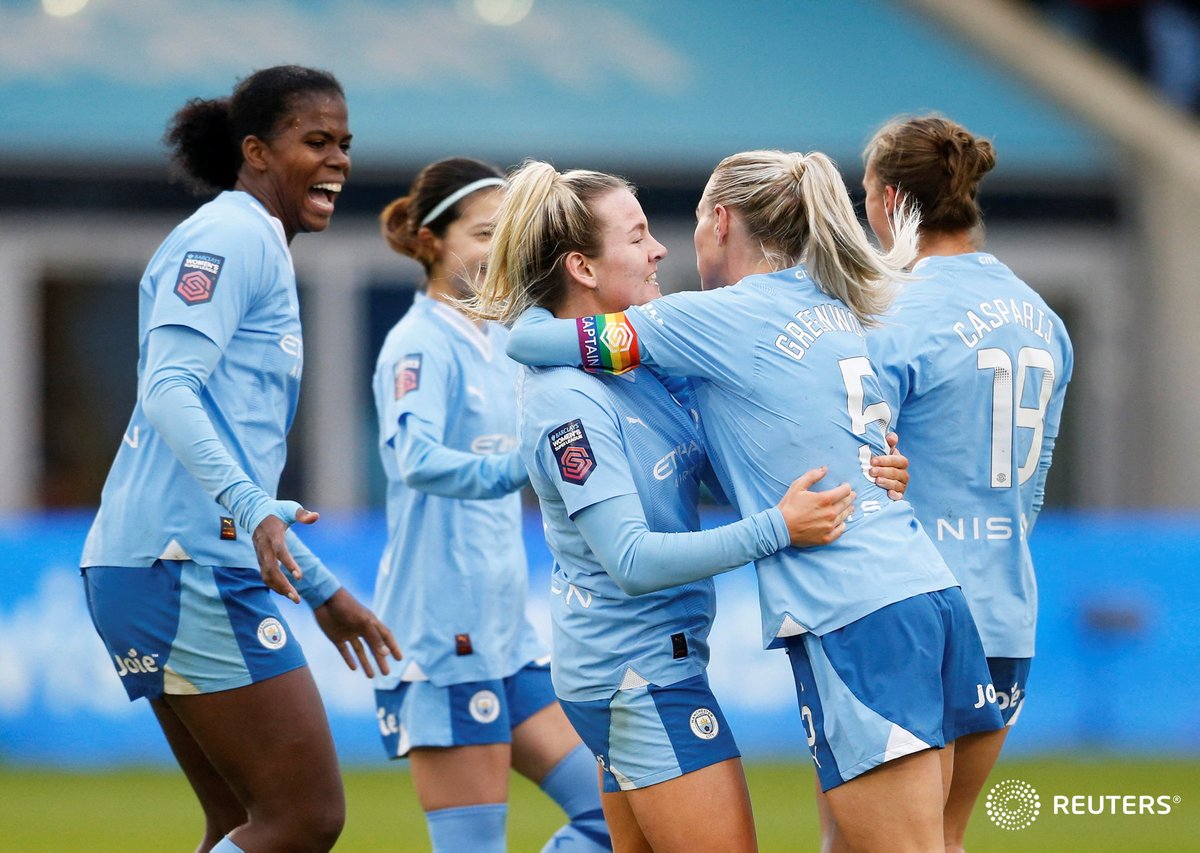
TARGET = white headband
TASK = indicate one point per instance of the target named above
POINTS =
(462, 192)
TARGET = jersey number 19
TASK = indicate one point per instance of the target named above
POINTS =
(1007, 409)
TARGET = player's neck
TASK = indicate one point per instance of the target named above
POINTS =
(579, 302)
(946, 244)
(442, 289)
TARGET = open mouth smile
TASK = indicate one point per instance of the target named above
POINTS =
(324, 195)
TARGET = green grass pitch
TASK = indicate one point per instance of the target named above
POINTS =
(153, 810)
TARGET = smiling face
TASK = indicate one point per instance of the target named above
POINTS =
(462, 250)
(299, 172)
(626, 271)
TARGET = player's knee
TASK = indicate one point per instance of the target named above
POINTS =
(326, 825)
(314, 827)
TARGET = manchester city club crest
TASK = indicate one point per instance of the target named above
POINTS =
(484, 707)
(271, 633)
(704, 724)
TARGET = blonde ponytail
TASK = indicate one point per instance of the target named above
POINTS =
(545, 216)
(796, 207)
(844, 263)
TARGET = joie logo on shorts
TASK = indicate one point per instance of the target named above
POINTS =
(704, 724)
(271, 633)
(1013, 804)
(985, 695)
(198, 276)
(573, 452)
(135, 663)
(484, 707)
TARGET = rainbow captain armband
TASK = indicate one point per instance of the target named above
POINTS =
(608, 343)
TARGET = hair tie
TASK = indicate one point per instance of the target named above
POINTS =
(444, 205)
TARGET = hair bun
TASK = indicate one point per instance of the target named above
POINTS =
(395, 223)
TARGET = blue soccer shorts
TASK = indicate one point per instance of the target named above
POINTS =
(421, 714)
(1009, 675)
(897, 681)
(645, 735)
(177, 627)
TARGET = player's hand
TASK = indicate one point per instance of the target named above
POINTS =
(270, 546)
(891, 471)
(349, 626)
(816, 518)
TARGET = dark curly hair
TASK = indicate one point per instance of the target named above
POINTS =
(205, 136)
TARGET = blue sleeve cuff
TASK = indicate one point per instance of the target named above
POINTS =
(783, 537)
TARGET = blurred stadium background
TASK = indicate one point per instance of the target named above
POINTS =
(1094, 202)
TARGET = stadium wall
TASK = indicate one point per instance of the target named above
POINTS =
(1114, 674)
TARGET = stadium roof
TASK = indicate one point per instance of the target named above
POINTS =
(670, 84)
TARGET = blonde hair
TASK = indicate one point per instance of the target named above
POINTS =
(937, 163)
(797, 208)
(545, 216)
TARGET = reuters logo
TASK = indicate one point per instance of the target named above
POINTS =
(1013, 804)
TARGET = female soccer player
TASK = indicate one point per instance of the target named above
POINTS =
(474, 697)
(886, 659)
(188, 519)
(616, 462)
(974, 366)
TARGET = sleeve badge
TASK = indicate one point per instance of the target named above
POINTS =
(573, 452)
(198, 276)
(408, 375)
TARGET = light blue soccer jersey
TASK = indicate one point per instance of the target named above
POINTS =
(783, 384)
(453, 582)
(975, 365)
(227, 273)
(586, 439)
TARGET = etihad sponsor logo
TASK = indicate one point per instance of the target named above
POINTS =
(495, 443)
(292, 345)
(682, 456)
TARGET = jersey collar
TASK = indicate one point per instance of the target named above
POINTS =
(459, 323)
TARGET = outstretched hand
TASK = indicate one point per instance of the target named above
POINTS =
(270, 546)
(816, 518)
(891, 471)
(349, 625)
